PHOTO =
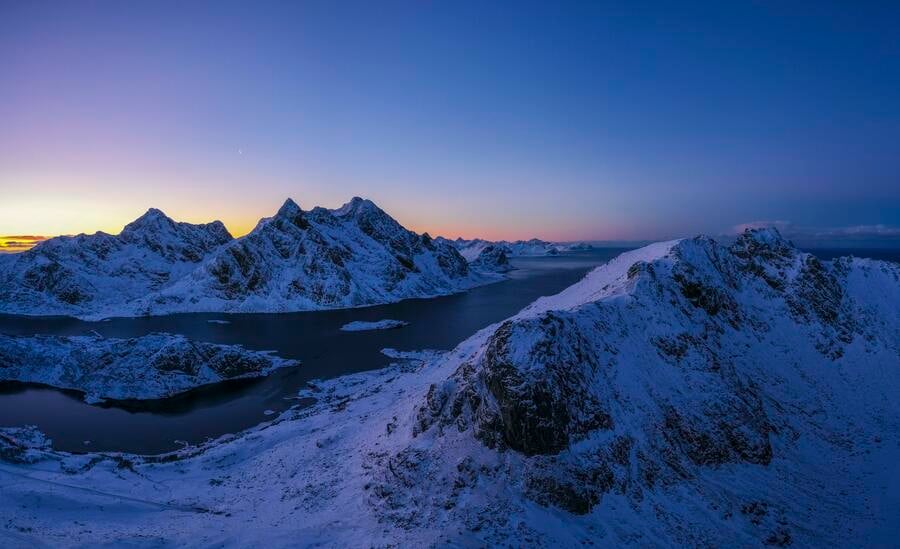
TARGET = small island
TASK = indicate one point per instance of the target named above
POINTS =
(364, 326)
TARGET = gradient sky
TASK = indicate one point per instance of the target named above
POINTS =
(500, 120)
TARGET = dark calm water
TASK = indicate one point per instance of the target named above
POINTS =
(312, 337)
(882, 254)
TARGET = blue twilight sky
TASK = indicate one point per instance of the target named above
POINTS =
(569, 120)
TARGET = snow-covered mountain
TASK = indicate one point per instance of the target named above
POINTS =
(671, 391)
(471, 249)
(684, 394)
(301, 260)
(151, 366)
(295, 260)
(492, 258)
(84, 274)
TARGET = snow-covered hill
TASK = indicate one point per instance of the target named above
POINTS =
(151, 366)
(684, 394)
(92, 274)
(493, 259)
(295, 260)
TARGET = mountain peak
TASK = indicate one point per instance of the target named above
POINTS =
(763, 241)
(356, 206)
(151, 218)
(152, 214)
(175, 241)
(288, 209)
(290, 213)
(764, 235)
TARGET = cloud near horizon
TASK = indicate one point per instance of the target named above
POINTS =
(19, 243)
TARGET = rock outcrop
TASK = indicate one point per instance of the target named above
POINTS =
(492, 258)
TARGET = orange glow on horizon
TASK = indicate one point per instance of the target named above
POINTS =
(241, 227)
(18, 243)
(69, 212)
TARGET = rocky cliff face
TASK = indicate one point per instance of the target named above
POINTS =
(492, 258)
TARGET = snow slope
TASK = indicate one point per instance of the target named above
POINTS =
(296, 260)
(685, 394)
(151, 366)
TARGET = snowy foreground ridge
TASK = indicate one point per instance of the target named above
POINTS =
(296, 260)
(684, 394)
(151, 366)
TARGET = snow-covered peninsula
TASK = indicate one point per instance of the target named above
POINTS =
(147, 367)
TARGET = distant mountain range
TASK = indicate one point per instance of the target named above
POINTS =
(470, 249)
(295, 260)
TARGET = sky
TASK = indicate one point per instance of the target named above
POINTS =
(565, 121)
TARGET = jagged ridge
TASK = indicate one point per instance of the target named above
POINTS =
(295, 260)
(664, 365)
(299, 260)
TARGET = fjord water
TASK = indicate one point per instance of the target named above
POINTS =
(314, 338)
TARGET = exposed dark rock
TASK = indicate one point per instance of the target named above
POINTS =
(575, 489)
(492, 258)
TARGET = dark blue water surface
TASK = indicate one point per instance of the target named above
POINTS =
(312, 337)
(882, 254)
